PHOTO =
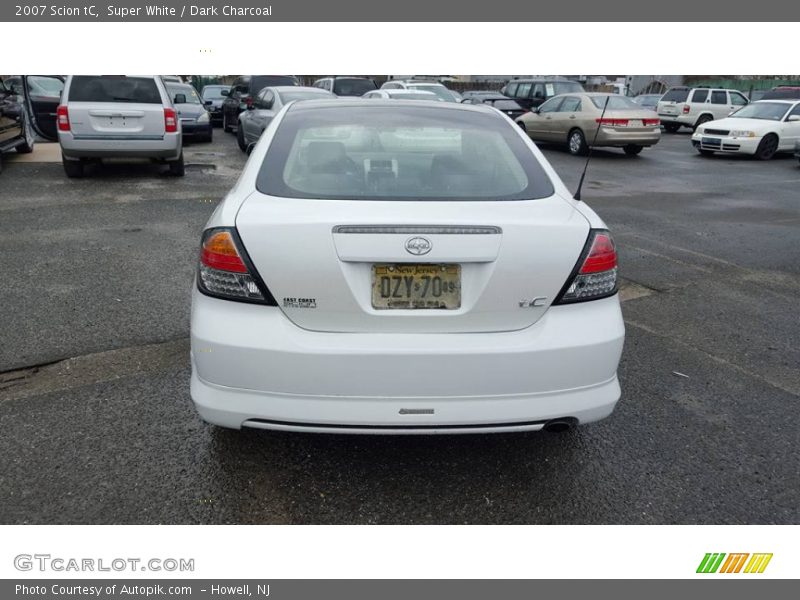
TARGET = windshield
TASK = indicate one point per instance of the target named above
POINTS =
(769, 111)
(114, 88)
(191, 94)
(213, 93)
(439, 90)
(304, 95)
(353, 87)
(399, 153)
(614, 102)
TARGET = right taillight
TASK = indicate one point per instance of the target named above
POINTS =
(225, 271)
(62, 118)
(595, 274)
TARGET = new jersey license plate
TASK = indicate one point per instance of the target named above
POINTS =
(415, 286)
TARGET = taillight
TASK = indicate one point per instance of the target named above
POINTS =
(686, 109)
(62, 118)
(225, 271)
(170, 120)
(248, 101)
(613, 122)
(595, 274)
(651, 122)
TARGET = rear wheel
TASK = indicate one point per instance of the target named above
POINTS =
(176, 167)
(671, 127)
(576, 142)
(632, 149)
(240, 139)
(73, 168)
(703, 120)
(768, 147)
(26, 147)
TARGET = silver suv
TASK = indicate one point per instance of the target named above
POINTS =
(118, 116)
(691, 107)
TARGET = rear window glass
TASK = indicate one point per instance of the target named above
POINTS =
(675, 96)
(305, 94)
(399, 153)
(213, 93)
(614, 102)
(89, 88)
(353, 87)
(441, 91)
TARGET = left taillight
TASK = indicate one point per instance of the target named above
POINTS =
(62, 118)
(225, 271)
(595, 274)
(170, 120)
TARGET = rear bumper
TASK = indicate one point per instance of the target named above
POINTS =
(195, 130)
(612, 137)
(168, 147)
(252, 367)
(726, 144)
(686, 120)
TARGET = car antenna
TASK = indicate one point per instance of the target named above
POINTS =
(577, 195)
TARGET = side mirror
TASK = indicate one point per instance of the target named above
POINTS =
(250, 147)
(793, 118)
(180, 99)
(225, 92)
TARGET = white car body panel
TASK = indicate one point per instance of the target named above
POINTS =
(350, 370)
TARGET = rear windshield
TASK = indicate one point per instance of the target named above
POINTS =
(305, 94)
(111, 88)
(504, 105)
(412, 96)
(439, 90)
(399, 153)
(614, 102)
(259, 82)
(353, 87)
(675, 96)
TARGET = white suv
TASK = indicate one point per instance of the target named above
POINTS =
(691, 107)
(118, 116)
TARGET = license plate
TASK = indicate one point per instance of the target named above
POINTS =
(416, 286)
(634, 123)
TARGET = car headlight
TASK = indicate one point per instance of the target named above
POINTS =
(699, 131)
(203, 118)
(742, 133)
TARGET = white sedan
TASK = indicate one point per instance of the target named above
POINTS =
(387, 267)
(761, 129)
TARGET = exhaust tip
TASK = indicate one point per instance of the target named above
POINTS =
(561, 425)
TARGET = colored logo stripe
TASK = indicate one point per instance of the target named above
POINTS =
(733, 564)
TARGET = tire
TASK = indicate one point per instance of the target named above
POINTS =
(768, 147)
(240, 139)
(632, 149)
(225, 127)
(702, 121)
(73, 168)
(671, 127)
(26, 147)
(176, 167)
(576, 143)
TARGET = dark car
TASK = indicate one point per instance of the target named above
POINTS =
(267, 104)
(27, 108)
(506, 105)
(533, 92)
(782, 92)
(242, 93)
(195, 119)
(346, 86)
(213, 96)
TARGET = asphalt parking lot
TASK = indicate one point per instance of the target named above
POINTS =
(98, 425)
